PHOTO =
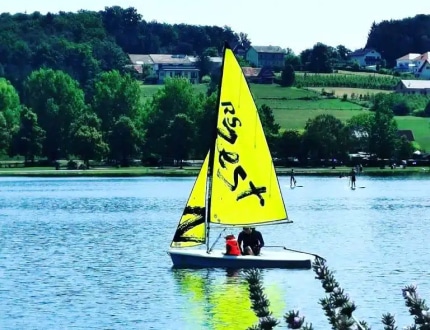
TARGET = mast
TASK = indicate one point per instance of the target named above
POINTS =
(212, 153)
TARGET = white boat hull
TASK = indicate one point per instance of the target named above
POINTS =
(194, 258)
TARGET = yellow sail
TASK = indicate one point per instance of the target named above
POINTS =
(191, 227)
(245, 188)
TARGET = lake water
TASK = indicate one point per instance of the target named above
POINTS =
(90, 253)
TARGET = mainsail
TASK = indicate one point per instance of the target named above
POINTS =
(245, 188)
(191, 227)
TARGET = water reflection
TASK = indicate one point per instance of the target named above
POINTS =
(220, 299)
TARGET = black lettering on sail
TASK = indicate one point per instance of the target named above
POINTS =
(238, 172)
(228, 134)
(229, 157)
(228, 107)
(257, 191)
(198, 218)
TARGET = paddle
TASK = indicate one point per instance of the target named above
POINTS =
(312, 254)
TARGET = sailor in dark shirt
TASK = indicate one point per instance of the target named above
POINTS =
(250, 241)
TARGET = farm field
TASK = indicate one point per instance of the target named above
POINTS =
(340, 91)
(296, 119)
(419, 126)
(292, 107)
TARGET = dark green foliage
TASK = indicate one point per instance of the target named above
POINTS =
(404, 148)
(293, 60)
(325, 137)
(259, 302)
(124, 140)
(427, 110)
(86, 138)
(287, 76)
(383, 133)
(400, 104)
(179, 137)
(176, 97)
(268, 122)
(115, 95)
(29, 138)
(58, 101)
(289, 144)
(395, 38)
(317, 59)
(85, 43)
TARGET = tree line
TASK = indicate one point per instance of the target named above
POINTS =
(56, 120)
(87, 43)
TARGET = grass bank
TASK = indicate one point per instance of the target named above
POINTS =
(192, 171)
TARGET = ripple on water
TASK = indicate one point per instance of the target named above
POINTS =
(91, 254)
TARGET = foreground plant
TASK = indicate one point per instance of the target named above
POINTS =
(337, 305)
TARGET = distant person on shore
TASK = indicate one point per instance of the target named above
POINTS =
(352, 174)
(292, 179)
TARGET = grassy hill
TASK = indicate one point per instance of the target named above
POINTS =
(292, 107)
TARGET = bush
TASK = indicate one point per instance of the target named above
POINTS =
(206, 79)
(337, 305)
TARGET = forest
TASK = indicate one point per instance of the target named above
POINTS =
(66, 92)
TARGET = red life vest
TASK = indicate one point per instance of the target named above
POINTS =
(232, 247)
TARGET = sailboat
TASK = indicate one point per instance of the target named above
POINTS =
(237, 185)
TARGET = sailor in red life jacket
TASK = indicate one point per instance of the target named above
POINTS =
(231, 246)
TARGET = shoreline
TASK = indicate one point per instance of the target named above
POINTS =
(193, 171)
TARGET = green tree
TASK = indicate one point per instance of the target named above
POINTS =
(116, 95)
(287, 76)
(205, 126)
(404, 148)
(86, 139)
(427, 110)
(58, 101)
(359, 127)
(9, 114)
(383, 133)
(29, 139)
(270, 127)
(124, 140)
(268, 121)
(177, 96)
(325, 138)
(179, 137)
(293, 60)
(290, 144)
(320, 59)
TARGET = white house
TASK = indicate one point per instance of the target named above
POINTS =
(266, 56)
(163, 66)
(420, 59)
(413, 87)
(365, 57)
(423, 71)
(407, 63)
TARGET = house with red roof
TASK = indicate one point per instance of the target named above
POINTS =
(406, 63)
(417, 64)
